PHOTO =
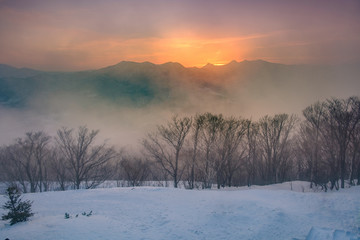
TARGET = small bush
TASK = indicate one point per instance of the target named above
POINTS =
(87, 214)
(19, 211)
(67, 215)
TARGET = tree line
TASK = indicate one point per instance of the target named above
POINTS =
(199, 151)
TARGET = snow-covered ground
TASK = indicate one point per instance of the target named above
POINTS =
(272, 212)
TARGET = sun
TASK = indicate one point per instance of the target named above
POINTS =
(196, 51)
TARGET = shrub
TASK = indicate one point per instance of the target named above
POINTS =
(19, 211)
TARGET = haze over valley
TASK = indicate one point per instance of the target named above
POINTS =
(127, 100)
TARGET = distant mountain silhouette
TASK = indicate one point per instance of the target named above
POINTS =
(138, 85)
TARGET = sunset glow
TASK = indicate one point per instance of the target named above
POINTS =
(198, 52)
(64, 35)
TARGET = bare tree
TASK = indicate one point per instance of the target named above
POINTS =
(27, 159)
(310, 139)
(12, 167)
(274, 140)
(355, 155)
(329, 140)
(41, 154)
(209, 137)
(59, 168)
(251, 157)
(87, 163)
(197, 127)
(342, 119)
(136, 170)
(166, 144)
(229, 155)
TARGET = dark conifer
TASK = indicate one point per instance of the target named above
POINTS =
(19, 211)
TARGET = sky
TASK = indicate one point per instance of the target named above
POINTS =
(66, 35)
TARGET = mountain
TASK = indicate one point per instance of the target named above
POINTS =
(140, 84)
(133, 97)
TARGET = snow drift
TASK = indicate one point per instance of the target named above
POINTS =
(165, 213)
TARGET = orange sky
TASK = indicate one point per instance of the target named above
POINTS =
(79, 35)
(189, 51)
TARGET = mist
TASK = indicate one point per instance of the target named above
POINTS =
(128, 100)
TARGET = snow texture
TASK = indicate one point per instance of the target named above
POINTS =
(330, 234)
(166, 213)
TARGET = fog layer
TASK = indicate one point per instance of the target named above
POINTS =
(127, 100)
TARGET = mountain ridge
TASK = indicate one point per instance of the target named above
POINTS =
(135, 84)
(128, 99)
(4, 65)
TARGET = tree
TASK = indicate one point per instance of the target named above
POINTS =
(27, 160)
(41, 154)
(355, 156)
(209, 138)
(342, 119)
(59, 168)
(86, 162)
(274, 138)
(229, 156)
(136, 170)
(251, 157)
(197, 127)
(19, 211)
(310, 141)
(165, 146)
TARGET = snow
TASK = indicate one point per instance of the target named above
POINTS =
(325, 234)
(269, 212)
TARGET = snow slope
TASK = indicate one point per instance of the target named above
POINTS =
(165, 213)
